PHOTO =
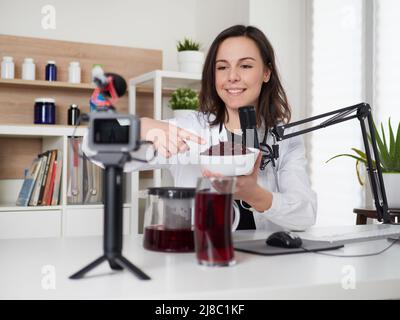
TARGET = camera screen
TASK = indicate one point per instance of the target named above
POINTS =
(111, 131)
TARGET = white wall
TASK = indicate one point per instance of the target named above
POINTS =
(284, 23)
(213, 16)
(150, 24)
(159, 24)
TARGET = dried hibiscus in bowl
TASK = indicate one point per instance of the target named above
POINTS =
(226, 148)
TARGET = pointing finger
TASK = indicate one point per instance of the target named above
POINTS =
(182, 133)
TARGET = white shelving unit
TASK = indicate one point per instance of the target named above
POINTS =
(49, 221)
(20, 141)
(161, 83)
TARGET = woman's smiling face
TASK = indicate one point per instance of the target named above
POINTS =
(240, 72)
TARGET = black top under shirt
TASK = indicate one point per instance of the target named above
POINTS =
(246, 216)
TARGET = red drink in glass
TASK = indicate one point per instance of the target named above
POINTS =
(213, 229)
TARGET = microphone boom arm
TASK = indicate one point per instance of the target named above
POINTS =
(363, 111)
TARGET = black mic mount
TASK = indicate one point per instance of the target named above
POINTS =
(362, 111)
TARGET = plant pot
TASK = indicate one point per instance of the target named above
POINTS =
(190, 61)
(182, 113)
(392, 187)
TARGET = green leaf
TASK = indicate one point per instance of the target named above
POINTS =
(397, 149)
(360, 153)
(392, 149)
(384, 136)
(348, 155)
(383, 154)
(361, 181)
(392, 141)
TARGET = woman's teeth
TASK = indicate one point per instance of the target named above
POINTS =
(235, 91)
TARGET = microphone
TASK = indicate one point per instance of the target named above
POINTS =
(104, 80)
(248, 124)
(109, 87)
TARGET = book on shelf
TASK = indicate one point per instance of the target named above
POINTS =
(41, 182)
(29, 183)
(49, 178)
(38, 184)
(44, 178)
(85, 179)
(55, 198)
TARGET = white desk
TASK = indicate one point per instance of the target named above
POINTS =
(177, 276)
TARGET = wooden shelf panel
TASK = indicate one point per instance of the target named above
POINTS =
(17, 97)
(125, 61)
(66, 85)
(16, 155)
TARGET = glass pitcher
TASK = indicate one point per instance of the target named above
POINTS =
(168, 222)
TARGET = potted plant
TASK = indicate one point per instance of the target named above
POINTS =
(190, 58)
(183, 101)
(389, 155)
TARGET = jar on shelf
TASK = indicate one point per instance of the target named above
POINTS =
(28, 69)
(7, 68)
(73, 115)
(51, 71)
(45, 111)
(74, 72)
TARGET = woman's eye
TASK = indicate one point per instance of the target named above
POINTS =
(221, 68)
(246, 66)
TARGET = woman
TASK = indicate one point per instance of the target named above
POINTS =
(239, 70)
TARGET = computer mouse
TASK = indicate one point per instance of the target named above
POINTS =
(284, 239)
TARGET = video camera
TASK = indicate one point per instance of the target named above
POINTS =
(111, 132)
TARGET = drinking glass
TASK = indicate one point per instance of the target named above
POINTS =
(213, 221)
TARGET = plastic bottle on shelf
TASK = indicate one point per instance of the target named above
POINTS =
(96, 70)
(28, 69)
(51, 71)
(74, 72)
(7, 68)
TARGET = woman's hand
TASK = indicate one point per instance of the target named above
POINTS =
(167, 138)
(248, 190)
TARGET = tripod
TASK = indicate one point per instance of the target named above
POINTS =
(113, 219)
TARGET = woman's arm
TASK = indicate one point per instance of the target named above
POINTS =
(167, 139)
(259, 199)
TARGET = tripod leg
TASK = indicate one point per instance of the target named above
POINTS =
(132, 268)
(114, 265)
(89, 267)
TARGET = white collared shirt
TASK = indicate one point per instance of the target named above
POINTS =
(294, 203)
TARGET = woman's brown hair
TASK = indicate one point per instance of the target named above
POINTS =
(273, 106)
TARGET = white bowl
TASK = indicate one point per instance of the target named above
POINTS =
(230, 165)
